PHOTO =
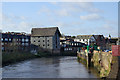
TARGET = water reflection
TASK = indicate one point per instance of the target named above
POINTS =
(55, 67)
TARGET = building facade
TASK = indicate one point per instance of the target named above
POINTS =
(46, 38)
(100, 41)
(69, 45)
(110, 42)
(15, 42)
(87, 39)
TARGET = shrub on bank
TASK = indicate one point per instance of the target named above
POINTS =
(43, 54)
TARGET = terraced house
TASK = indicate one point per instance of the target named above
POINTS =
(15, 42)
(46, 38)
(87, 39)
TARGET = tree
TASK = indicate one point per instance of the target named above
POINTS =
(73, 36)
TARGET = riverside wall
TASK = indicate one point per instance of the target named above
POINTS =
(108, 66)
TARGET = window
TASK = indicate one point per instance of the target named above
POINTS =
(72, 43)
(9, 39)
(34, 40)
(83, 39)
(67, 49)
(48, 44)
(23, 44)
(43, 45)
(39, 41)
(75, 44)
(43, 40)
(48, 40)
(6, 39)
(1, 39)
(26, 40)
(23, 40)
(2, 43)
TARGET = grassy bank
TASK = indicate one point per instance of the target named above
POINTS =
(8, 58)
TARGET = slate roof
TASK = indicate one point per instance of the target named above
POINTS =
(84, 36)
(50, 31)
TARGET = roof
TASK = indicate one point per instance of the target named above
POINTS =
(112, 40)
(84, 36)
(96, 36)
(44, 31)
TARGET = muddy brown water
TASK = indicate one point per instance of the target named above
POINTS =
(52, 67)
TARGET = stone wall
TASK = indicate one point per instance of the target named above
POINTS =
(115, 68)
(100, 60)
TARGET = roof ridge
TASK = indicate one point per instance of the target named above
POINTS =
(44, 27)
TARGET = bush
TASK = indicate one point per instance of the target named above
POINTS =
(43, 54)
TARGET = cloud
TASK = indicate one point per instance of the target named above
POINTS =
(45, 10)
(18, 17)
(91, 17)
(9, 23)
(62, 12)
(67, 9)
(109, 27)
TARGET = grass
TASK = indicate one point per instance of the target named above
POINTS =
(8, 58)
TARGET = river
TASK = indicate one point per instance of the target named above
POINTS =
(52, 67)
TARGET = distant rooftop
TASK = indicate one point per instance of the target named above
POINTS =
(16, 33)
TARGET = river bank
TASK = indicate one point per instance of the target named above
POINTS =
(11, 58)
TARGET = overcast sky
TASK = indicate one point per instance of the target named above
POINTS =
(72, 18)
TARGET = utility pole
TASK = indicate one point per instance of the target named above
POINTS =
(118, 40)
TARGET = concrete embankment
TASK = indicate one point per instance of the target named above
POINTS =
(108, 66)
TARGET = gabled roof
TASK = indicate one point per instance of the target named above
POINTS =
(96, 36)
(50, 31)
(84, 36)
